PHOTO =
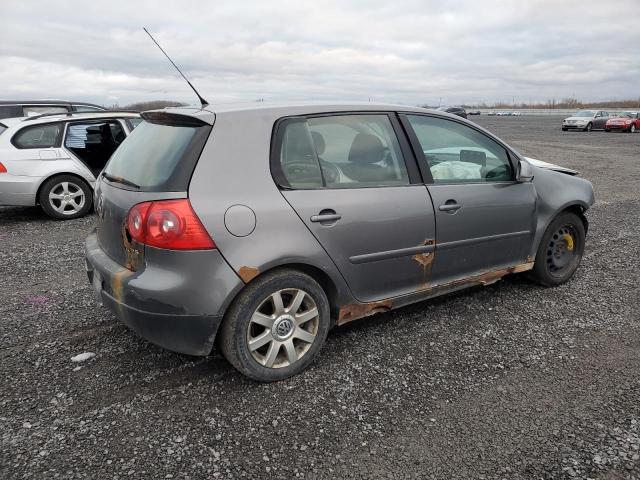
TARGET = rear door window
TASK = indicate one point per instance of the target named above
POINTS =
(38, 136)
(94, 142)
(160, 153)
(340, 151)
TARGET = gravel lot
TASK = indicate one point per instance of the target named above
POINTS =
(508, 381)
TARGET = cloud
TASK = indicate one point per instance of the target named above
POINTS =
(403, 51)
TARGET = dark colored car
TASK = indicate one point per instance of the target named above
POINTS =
(625, 121)
(459, 111)
(25, 108)
(262, 226)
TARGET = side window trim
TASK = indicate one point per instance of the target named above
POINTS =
(411, 164)
(56, 144)
(422, 163)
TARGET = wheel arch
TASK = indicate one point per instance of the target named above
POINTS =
(576, 207)
(60, 174)
(329, 286)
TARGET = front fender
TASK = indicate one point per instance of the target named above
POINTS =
(557, 192)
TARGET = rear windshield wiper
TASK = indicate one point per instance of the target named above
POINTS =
(120, 180)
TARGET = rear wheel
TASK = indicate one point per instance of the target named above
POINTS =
(564, 129)
(276, 327)
(65, 197)
(560, 250)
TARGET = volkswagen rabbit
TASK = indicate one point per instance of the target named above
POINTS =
(258, 228)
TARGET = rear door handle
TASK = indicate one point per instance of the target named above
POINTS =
(449, 207)
(326, 216)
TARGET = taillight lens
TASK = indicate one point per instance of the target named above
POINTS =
(168, 224)
(3, 169)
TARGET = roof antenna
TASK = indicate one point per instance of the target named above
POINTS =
(203, 102)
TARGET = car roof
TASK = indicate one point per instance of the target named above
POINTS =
(70, 116)
(46, 102)
(19, 122)
(283, 109)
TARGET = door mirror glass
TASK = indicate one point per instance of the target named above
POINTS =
(525, 171)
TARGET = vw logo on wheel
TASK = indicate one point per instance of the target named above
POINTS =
(282, 328)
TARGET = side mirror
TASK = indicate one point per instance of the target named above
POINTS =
(525, 172)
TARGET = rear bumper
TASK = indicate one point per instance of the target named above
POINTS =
(18, 189)
(178, 307)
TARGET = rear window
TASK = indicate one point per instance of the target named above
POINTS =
(38, 136)
(161, 153)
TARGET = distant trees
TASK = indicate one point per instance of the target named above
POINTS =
(150, 105)
(565, 104)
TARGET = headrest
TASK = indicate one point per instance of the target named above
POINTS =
(366, 148)
(318, 141)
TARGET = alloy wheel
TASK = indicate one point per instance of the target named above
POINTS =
(67, 198)
(283, 328)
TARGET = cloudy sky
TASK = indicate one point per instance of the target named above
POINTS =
(404, 51)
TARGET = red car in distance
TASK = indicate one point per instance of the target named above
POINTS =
(625, 121)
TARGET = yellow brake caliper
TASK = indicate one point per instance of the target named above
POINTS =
(569, 241)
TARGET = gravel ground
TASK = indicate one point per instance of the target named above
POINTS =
(508, 381)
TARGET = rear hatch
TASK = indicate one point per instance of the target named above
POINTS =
(155, 162)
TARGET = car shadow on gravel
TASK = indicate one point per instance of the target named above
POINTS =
(22, 214)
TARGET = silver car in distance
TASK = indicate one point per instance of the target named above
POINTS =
(263, 226)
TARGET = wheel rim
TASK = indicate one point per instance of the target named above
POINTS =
(589, 128)
(561, 251)
(283, 328)
(633, 128)
(67, 198)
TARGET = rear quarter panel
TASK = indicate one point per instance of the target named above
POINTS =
(234, 170)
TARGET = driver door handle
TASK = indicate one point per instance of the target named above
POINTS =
(326, 216)
(449, 207)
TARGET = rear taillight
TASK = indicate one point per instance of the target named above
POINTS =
(3, 169)
(168, 224)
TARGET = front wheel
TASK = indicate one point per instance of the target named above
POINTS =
(560, 250)
(632, 128)
(65, 197)
(276, 327)
(589, 127)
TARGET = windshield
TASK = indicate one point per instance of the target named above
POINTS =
(585, 113)
(158, 157)
(2, 128)
(627, 114)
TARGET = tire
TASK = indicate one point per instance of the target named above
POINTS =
(589, 127)
(632, 128)
(65, 197)
(564, 129)
(608, 130)
(557, 257)
(255, 317)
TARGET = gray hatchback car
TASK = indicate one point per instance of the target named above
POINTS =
(263, 226)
